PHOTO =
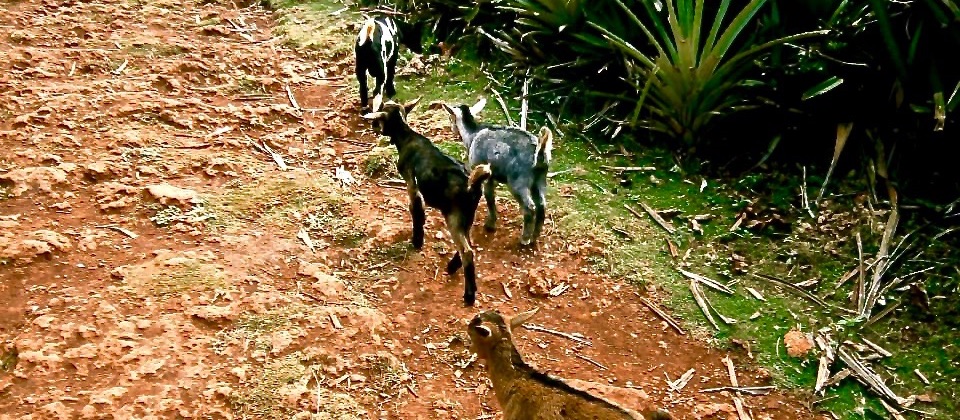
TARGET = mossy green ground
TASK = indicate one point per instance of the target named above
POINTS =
(586, 200)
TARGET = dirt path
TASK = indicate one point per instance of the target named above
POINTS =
(113, 113)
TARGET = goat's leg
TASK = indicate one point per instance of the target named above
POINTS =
(378, 93)
(524, 197)
(464, 255)
(540, 200)
(490, 193)
(362, 79)
(419, 215)
(391, 71)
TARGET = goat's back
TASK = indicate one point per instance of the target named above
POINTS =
(439, 177)
(543, 397)
(509, 151)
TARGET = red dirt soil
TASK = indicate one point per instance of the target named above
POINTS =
(101, 100)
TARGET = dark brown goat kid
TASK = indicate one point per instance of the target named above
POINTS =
(526, 394)
(439, 181)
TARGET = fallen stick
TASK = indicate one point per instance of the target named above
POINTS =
(731, 370)
(120, 69)
(293, 100)
(121, 230)
(752, 390)
(738, 402)
(656, 217)
(506, 291)
(336, 322)
(591, 361)
(877, 348)
(893, 412)
(571, 337)
(682, 381)
(628, 168)
(706, 281)
(823, 373)
(756, 294)
(672, 248)
(698, 297)
(663, 315)
(304, 236)
(835, 379)
(799, 291)
(922, 378)
(869, 378)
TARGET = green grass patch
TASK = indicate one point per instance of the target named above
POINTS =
(310, 25)
(265, 396)
(154, 50)
(314, 202)
(179, 277)
(380, 162)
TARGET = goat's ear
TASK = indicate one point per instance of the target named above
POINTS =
(482, 330)
(477, 107)
(450, 110)
(374, 115)
(407, 107)
(521, 318)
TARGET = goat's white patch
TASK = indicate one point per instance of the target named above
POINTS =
(366, 31)
(388, 49)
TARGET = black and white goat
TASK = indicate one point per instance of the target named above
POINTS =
(376, 53)
(516, 158)
(439, 181)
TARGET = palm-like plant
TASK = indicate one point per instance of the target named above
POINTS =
(693, 70)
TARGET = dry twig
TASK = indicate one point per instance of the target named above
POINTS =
(713, 284)
(576, 338)
(656, 217)
(701, 302)
(591, 361)
(665, 316)
(751, 390)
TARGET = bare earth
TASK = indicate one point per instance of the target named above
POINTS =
(112, 113)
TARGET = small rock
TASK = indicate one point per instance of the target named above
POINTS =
(168, 194)
(42, 178)
(798, 344)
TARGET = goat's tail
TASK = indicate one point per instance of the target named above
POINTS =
(366, 31)
(479, 174)
(544, 147)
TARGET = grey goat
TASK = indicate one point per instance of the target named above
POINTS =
(516, 157)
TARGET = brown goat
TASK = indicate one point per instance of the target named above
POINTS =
(526, 394)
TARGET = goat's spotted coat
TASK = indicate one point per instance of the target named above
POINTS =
(377, 48)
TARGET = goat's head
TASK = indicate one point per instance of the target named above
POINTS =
(391, 115)
(489, 328)
(461, 115)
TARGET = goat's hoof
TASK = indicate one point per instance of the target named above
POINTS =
(525, 242)
(469, 300)
(453, 266)
(490, 227)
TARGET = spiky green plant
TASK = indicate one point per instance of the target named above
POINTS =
(690, 79)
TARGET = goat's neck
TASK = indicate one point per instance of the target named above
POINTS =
(400, 134)
(505, 369)
(467, 127)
